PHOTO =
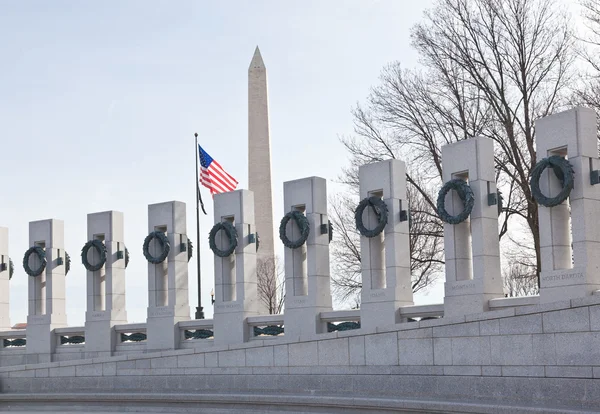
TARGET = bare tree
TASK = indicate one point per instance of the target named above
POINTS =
(271, 283)
(490, 68)
(345, 249)
(520, 273)
(426, 242)
(591, 36)
(588, 92)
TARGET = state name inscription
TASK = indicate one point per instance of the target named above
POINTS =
(463, 286)
(97, 315)
(563, 277)
(157, 312)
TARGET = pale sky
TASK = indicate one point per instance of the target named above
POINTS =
(99, 102)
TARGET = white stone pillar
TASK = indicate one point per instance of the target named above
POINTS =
(105, 287)
(236, 295)
(307, 282)
(569, 272)
(46, 291)
(385, 258)
(168, 301)
(4, 280)
(472, 249)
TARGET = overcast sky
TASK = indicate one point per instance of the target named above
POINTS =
(99, 102)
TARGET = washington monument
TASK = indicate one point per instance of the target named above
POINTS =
(259, 154)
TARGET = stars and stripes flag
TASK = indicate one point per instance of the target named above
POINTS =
(213, 176)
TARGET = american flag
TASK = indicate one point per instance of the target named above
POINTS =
(213, 176)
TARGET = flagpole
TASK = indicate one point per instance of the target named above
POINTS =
(199, 309)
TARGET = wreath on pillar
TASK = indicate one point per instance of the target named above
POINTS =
(190, 249)
(41, 254)
(466, 195)
(381, 211)
(330, 228)
(126, 257)
(231, 234)
(67, 263)
(11, 268)
(165, 247)
(100, 249)
(302, 223)
(563, 170)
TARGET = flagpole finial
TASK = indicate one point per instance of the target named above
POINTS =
(196, 134)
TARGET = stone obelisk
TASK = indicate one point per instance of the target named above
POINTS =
(259, 175)
(259, 154)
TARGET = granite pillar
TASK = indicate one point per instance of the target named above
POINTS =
(168, 301)
(472, 249)
(307, 283)
(569, 245)
(385, 258)
(46, 291)
(236, 295)
(105, 287)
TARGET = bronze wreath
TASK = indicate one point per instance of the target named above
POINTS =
(564, 172)
(164, 245)
(41, 254)
(466, 195)
(302, 223)
(100, 249)
(231, 234)
(380, 209)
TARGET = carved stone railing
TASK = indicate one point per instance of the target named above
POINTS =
(421, 312)
(196, 331)
(504, 303)
(13, 340)
(71, 339)
(350, 319)
(131, 337)
(266, 326)
(342, 320)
